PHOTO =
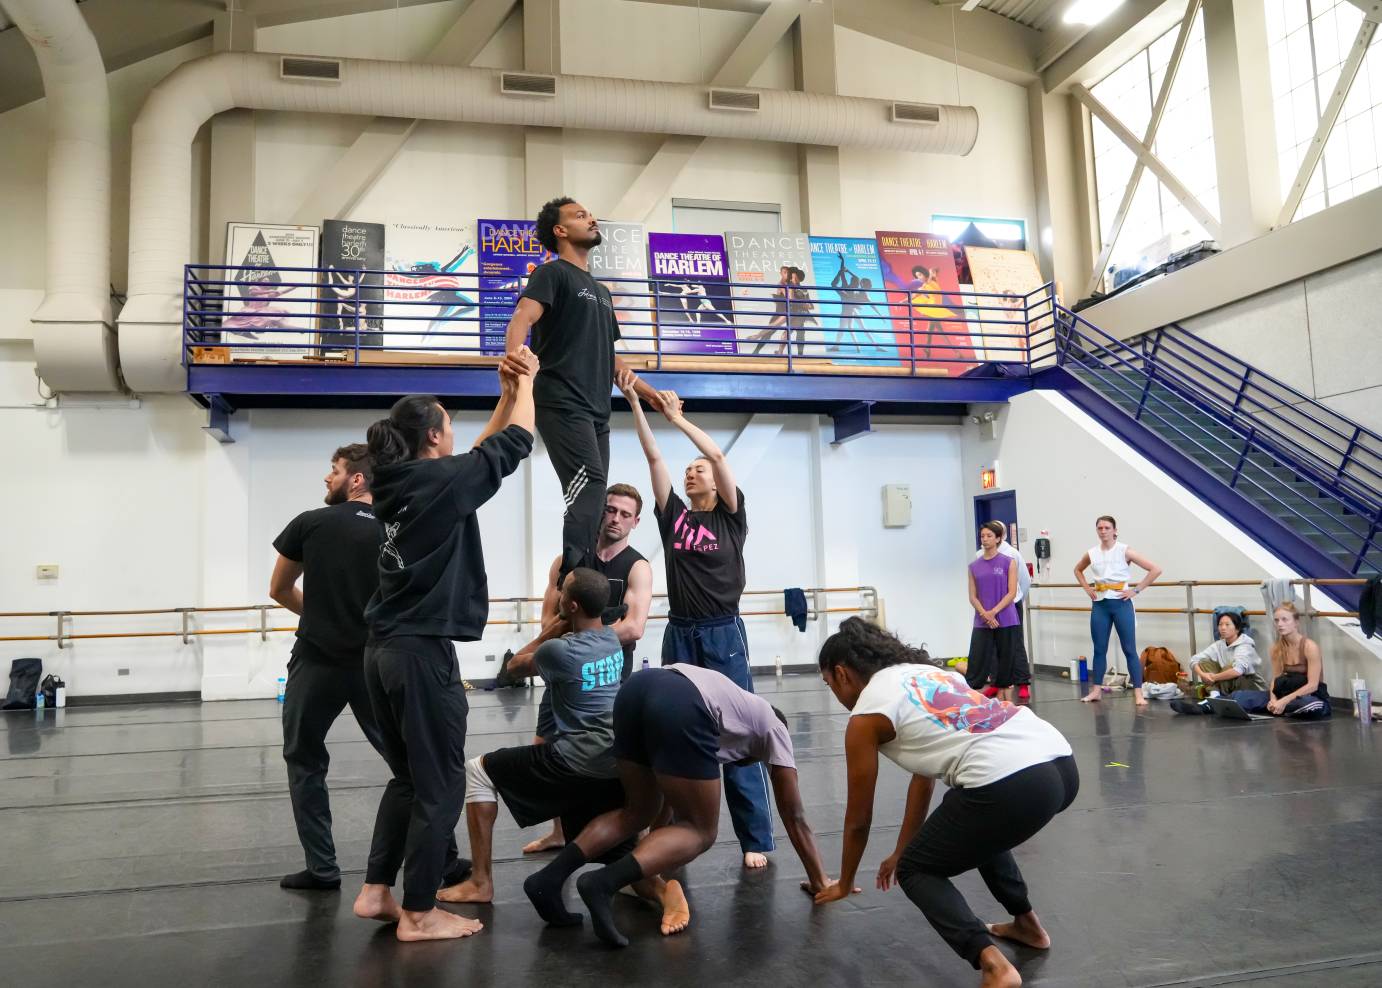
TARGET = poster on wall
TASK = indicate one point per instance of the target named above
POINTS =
(1005, 277)
(349, 298)
(854, 317)
(430, 287)
(266, 306)
(773, 304)
(924, 299)
(509, 252)
(621, 262)
(694, 312)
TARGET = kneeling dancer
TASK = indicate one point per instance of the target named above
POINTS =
(1009, 774)
(673, 729)
(574, 777)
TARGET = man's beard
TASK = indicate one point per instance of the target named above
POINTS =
(337, 495)
(596, 240)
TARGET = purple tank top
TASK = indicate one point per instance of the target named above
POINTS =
(991, 581)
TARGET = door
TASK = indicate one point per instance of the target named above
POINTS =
(997, 506)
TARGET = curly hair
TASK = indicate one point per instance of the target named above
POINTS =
(547, 218)
(866, 648)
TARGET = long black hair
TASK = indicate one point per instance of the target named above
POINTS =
(400, 436)
(866, 648)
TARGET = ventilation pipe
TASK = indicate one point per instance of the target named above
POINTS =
(73, 340)
(161, 167)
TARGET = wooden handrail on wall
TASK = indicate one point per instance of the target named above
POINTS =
(1190, 610)
(868, 606)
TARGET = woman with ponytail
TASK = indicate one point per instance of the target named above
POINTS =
(432, 591)
(1008, 772)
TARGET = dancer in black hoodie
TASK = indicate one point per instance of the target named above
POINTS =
(432, 591)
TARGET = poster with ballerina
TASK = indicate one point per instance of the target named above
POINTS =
(925, 302)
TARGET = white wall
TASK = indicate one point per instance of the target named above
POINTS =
(1067, 470)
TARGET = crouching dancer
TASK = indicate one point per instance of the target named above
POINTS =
(574, 777)
(673, 729)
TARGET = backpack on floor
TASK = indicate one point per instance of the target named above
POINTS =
(1159, 665)
(24, 677)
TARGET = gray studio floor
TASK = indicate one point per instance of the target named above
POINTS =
(141, 845)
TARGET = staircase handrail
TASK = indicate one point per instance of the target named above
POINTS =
(1067, 329)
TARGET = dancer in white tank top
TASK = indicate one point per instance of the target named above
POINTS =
(1111, 593)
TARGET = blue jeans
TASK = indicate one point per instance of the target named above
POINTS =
(1105, 616)
(721, 644)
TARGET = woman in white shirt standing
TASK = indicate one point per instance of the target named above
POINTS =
(1009, 774)
(1111, 563)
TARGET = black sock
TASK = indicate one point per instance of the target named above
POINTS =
(597, 888)
(543, 887)
(308, 882)
(457, 873)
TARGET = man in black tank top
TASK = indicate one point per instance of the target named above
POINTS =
(630, 597)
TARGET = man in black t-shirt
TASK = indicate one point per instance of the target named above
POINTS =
(335, 549)
(571, 318)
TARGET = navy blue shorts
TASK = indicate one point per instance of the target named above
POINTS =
(661, 721)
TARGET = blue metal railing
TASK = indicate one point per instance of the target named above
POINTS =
(374, 317)
(1133, 372)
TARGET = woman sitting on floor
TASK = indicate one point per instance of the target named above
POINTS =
(1298, 688)
(1229, 666)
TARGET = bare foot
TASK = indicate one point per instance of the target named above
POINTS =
(436, 924)
(377, 902)
(1093, 696)
(676, 911)
(1138, 698)
(995, 971)
(551, 842)
(470, 890)
(752, 859)
(1025, 929)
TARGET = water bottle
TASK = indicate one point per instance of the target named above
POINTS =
(645, 665)
(38, 699)
(60, 698)
(777, 666)
(1084, 669)
(282, 688)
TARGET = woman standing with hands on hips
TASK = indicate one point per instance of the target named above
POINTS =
(1111, 564)
(1008, 772)
(703, 547)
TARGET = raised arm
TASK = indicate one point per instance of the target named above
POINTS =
(641, 387)
(707, 447)
(515, 406)
(657, 466)
(283, 588)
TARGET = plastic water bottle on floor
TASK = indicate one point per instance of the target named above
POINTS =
(282, 688)
(38, 699)
(777, 666)
(645, 665)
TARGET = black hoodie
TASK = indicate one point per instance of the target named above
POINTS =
(431, 564)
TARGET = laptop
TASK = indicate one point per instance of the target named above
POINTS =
(1225, 707)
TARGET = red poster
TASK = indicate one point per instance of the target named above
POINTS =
(924, 301)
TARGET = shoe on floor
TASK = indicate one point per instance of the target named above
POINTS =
(305, 881)
(1024, 692)
(990, 691)
(1184, 706)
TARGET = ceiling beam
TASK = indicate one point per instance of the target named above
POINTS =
(1075, 53)
(986, 42)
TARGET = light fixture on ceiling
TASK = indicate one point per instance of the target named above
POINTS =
(970, 5)
(1089, 12)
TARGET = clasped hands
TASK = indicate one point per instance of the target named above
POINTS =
(666, 402)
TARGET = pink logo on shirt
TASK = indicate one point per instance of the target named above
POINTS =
(690, 535)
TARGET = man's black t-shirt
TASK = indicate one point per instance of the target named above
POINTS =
(705, 557)
(338, 547)
(431, 564)
(616, 570)
(574, 339)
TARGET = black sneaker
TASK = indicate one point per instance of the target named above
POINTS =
(305, 881)
(1184, 706)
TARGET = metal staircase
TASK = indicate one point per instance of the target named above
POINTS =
(1304, 481)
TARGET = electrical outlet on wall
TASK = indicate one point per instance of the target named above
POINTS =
(46, 571)
(489, 658)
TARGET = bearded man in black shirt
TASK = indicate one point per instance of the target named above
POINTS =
(571, 318)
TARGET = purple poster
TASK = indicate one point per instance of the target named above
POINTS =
(509, 252)
(689, 277)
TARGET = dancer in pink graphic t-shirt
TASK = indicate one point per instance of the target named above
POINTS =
(703, 545)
